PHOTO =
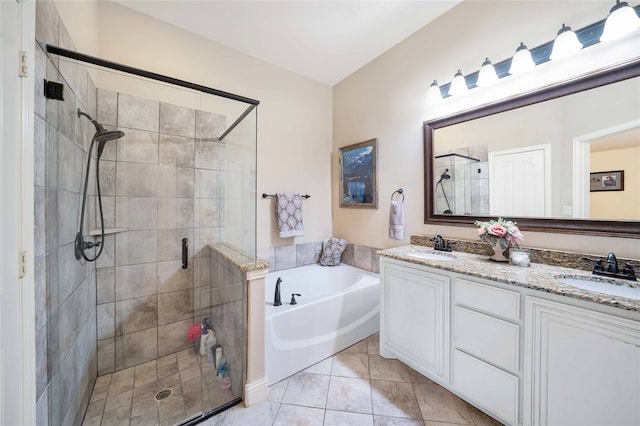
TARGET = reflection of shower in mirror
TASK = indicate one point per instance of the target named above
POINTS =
(461, 181)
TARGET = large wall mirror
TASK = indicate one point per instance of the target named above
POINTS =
(549, 160)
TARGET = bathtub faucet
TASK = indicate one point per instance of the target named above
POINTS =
(276, 296)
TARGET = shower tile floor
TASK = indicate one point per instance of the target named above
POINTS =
(356, 387)
(127, 397)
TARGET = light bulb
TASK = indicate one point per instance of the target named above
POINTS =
(487, 74)
(458, 85)
(566, 44)
(522, 60)
(434, 94)
(622, 20)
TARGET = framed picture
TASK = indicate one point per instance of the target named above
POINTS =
(358, 175)
(607, 181)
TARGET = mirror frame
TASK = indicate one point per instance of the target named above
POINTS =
(615, 228)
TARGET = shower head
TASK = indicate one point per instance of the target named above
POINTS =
(102, 135)
(108, 135)
(444, 175)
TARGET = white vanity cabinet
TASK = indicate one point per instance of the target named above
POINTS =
(522, 356)
(414, 317)
(581, 367)
(485, 347)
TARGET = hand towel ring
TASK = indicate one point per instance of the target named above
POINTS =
(399, 191)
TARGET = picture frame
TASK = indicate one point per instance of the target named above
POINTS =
(606, 181)
(359, 175)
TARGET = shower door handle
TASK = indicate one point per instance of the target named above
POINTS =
(185, 253)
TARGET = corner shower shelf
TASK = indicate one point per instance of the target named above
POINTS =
(107, 231)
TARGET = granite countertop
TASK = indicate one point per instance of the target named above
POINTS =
(537, 276)
(244, 262)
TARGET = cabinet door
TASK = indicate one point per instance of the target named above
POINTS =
(415, 325)
(581, 367)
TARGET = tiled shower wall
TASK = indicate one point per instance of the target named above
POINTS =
(65, 289)
(162, 182)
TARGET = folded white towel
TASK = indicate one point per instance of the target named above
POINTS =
(289, 215)
(396, 220)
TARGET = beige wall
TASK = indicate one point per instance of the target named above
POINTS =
(557, 122)
(623, 204)
(386, 100)
(81, 20)
(294, 116)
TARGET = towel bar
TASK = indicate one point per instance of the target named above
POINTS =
(264, 195)
(399, 191)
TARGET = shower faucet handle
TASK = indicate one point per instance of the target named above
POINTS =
(89, 245)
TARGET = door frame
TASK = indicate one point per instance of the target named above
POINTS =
(22, 408)
(582, 165)
(27, 208)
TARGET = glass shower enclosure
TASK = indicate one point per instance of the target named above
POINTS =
(461, 187)
(151, 332)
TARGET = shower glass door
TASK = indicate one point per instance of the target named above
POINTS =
(169, 344)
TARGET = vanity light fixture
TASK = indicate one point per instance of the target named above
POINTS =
(566, 44)
(622, 20)
(458, 85)
(487, 74)
(522, 60)
(434, 94)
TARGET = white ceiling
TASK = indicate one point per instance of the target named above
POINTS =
(323, 40)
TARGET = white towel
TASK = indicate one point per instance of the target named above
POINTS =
(396, 220)
(289, 215)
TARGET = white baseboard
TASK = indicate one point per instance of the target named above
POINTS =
(255, 392)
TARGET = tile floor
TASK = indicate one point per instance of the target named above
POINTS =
(126, 397)
(356, 387)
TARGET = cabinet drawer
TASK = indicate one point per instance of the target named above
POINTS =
(491, 388)
(490, 339)
(493, 300)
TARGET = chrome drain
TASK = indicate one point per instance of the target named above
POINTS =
(163, 394)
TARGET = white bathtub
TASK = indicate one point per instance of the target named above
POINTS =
(338, 307)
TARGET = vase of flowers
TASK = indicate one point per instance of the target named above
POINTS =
(500, 234)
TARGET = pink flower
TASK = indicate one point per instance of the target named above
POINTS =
(516, 237)
(497, 230)
(481, 231)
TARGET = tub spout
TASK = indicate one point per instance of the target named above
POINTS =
(276, 296)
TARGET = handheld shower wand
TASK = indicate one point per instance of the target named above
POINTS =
(445, 175)
(102, 136)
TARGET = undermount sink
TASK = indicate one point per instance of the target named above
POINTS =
(429, 255)
(594, 284)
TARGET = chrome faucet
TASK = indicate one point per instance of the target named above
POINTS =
(276, 296)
